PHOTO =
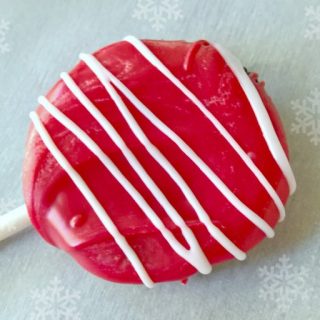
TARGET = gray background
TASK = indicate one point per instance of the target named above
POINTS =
(280, 278)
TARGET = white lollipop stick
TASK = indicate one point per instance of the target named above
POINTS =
(14, 222)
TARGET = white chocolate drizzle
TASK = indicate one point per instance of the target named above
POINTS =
(135, 164)
(103, 74)
(195, 255)
(94, 65)
(259, 109)
(92, 200)
(261, 114)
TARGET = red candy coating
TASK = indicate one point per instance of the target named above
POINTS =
(64, 218)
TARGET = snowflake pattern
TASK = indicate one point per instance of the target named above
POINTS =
(313, 28)
(5, 207)
(284, 284)
(158, 13)
(4, 28)
(307, 118)
(55, 302)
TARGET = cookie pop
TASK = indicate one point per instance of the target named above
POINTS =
(152, 160)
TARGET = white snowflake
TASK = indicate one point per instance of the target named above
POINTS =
(7, 205)
(4, 28)
(158, 13)
(55, 302)
(307, 118)
(313, 28)
(284, 284)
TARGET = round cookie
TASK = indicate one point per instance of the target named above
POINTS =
(152, 160)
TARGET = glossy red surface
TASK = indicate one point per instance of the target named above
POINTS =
(63, 217)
